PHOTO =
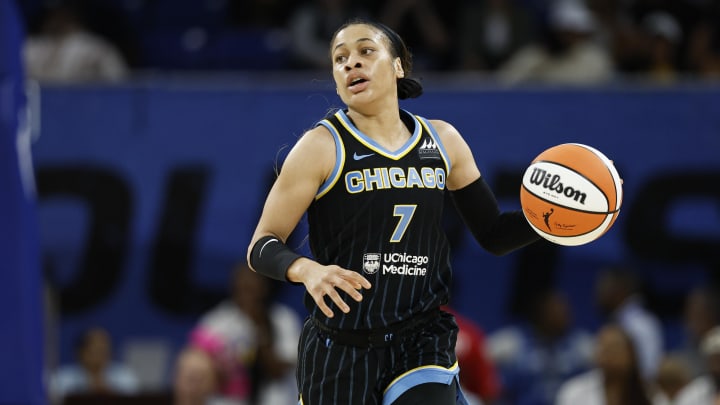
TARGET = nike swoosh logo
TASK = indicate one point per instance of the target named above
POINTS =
(358, 157)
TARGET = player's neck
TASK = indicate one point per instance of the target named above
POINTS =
(386, 127)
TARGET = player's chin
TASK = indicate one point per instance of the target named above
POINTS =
(365, 97)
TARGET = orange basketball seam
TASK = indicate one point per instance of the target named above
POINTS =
(617, 186)
(578, 234)
(570, 236)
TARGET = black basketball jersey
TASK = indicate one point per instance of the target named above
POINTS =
(380, 214)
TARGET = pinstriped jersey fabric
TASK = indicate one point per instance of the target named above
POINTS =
(380, 214)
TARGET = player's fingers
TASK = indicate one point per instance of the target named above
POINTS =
(320, 301)
(335, 297)
(351, 288)
(357, 279)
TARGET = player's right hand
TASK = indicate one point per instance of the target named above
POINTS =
(321, 281)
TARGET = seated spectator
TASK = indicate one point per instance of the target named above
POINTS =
(95, 372)
(704, 390)
(253, 341)
(196, 380)
(311, 27)
(65, 51)
(704, 41)
(701, 314)
(665, 36)
(672, 377)
(426, 29)
(618, 297)
(535, 357)
(478, 377)
(491, 32)
(616, 378)
(569, 54)
(618, 30)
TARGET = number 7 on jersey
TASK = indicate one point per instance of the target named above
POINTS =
(405, 212)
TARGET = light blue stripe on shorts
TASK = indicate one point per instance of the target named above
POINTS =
(422, 375)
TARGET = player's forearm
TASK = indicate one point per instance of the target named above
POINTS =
(509, 232)
(497, 232)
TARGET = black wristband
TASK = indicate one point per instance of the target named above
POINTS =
(271, 258)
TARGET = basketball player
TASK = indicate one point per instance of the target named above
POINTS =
(372, 179)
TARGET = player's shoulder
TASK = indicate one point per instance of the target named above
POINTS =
(317, 132)
(449, 136)
(314, 152)
(443, 128)
(316, 137)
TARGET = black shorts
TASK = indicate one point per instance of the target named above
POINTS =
(330, 373)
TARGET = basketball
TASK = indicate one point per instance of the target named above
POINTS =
(571, 194)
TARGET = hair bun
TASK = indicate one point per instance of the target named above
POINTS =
(409, 88)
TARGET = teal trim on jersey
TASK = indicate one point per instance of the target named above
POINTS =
(422, 375)
(339, 160)
(434, 135)
(379, 149)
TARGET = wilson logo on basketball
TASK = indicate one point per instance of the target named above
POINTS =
(553, 182)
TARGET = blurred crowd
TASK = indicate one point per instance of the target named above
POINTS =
(511, 41)
(243, 351)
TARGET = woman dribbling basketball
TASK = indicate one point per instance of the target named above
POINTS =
(372, 178)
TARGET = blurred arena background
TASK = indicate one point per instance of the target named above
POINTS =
(152, 159)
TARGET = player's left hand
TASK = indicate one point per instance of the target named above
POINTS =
(321, 281)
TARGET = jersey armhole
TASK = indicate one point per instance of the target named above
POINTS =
(339, 160)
